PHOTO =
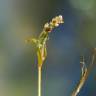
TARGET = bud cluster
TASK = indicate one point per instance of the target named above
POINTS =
(54, 23)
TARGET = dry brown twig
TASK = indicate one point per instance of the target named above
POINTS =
(85, 74)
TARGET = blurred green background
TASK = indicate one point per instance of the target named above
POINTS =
(20, 19)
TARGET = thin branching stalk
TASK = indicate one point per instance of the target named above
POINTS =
(80, 84)
(84, 77)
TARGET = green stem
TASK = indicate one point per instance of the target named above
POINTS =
(39, 80)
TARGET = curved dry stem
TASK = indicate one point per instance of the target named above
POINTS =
(80, 84)
(83, 78)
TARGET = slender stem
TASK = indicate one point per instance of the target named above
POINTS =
(39, 80)
(80, 84)
(83, 78)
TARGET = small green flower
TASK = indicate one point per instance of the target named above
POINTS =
(40, 42)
